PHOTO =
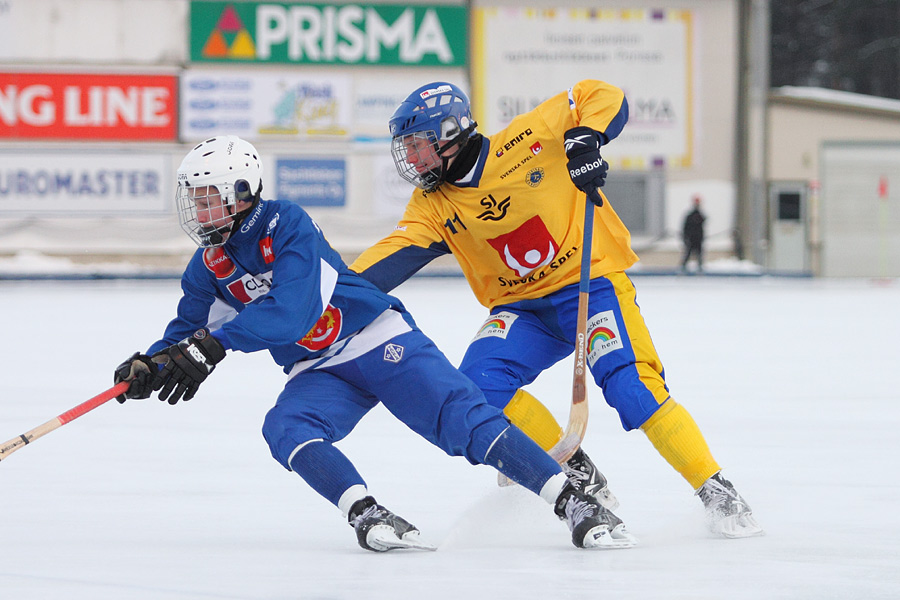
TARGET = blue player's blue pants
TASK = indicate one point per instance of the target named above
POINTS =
(522, 339)
(420, 387)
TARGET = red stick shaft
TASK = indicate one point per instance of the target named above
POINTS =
(69, 415)
(14, 444)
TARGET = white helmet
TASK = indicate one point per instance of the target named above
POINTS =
(232, 166)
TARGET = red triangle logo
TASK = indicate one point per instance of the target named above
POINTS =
(229, 20)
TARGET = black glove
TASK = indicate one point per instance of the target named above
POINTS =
(186, 365)
(139, 370)
(586, 167)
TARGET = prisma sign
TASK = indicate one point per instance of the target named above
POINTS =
(353, 34)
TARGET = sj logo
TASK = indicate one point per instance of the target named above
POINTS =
(325, 332)
(218, 262)
(526, 248)
(495, 210)
(250, 287)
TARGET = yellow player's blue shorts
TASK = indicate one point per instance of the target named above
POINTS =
(520, 340)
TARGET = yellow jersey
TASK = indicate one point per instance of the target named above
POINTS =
(515, 222)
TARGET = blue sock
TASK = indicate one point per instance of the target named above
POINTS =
(518, 457)
(326, 470)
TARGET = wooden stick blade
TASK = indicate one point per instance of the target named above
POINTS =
(20, 441)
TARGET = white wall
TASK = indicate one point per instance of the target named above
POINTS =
(102, 32)
(860, 209)
(148, 34)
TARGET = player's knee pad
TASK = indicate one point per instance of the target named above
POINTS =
(483, 437)
(628, 393)
(466, 425)
(517, 456)
(284, 432)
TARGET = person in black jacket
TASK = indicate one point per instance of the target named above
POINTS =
(692, 234)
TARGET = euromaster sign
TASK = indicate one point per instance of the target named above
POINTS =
(80, 183)
(87, 106)
(350, 34)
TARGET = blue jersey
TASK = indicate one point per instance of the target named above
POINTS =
(276, 285)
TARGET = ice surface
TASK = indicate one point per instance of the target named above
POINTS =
(792, 381)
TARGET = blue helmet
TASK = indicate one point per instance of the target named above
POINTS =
(429, 128)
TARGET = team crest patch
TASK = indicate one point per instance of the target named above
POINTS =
(325, 332)
(603, 336)
(497, 326)
(535, 176)
(393, 353)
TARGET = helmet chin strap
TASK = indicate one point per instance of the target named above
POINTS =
(241, 215)
(458, 140)
(215, 237)
(443, 152)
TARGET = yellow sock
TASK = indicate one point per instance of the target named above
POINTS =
(528, 414)
(675, 435)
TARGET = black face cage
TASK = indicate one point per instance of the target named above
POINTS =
(408, 151)
(206, 226)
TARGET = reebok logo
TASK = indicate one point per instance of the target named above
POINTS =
(581, 140)
(586, 168)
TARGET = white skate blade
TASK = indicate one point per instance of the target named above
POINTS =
(382, 538)
(737, 526)
(601, 538)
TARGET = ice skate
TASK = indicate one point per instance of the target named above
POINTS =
(592, 525)
(586, 477)
(727, 513)
(380, 530)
